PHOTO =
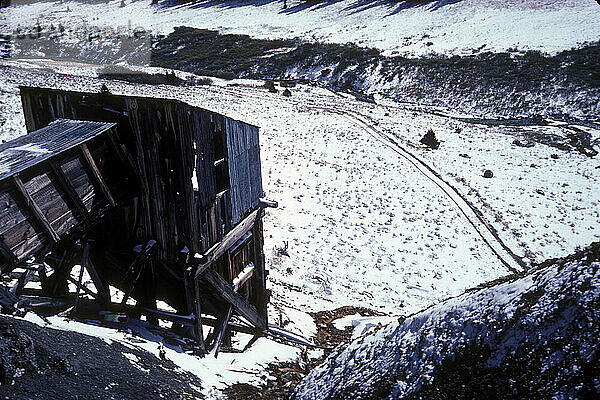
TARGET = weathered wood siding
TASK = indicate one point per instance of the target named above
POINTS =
(244, 168)
(185, 177)
(170, 141)
(30, 159)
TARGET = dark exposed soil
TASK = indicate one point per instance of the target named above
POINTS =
(288, 374)
(327, 334)
(43, 363)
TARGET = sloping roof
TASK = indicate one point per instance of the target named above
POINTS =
(59, 136)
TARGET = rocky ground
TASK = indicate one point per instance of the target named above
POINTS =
(533, 335)
(287, 375)
(42, 364)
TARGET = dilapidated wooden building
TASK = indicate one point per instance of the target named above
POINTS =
(155, 197)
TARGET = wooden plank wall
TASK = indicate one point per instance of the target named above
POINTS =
(157, 130)
(19, 230)
(244, 168)
(165, 153)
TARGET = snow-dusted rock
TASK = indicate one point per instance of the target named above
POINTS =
(533, 336)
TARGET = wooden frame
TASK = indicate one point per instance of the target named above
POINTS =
(161, 144)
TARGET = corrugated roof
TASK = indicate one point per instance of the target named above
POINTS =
(59, 136)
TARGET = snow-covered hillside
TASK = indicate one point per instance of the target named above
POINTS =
(406, 27)
(490, 71)
(531, 337)
(363, 226)
(368, 216)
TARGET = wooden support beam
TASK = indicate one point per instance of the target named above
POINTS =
(61, 274)
(48, 305)
(37, 266)
(268, 203)
(22, 281)
(34, 210)
(140, 259)
(220, 330)
(97, 177)
(71, 194)
(132, 286)
(243, 277)
(84, 260)
(262, 299)
(187, 320)
(86, 290)
(252, 341)
(194, 305)
(229, 240)
(103, 295)
(241, 306)
(197, 309)
(43, 278)
(148, 291)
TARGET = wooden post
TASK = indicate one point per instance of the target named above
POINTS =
(194, 304)
(22, 281)
(43, 278)
(220, 330)
(225, 290)
(229, 240)
(198, 329)
(84, 258)
(31, 270)
(103, 295)
(61, 274)
(259, 268)
(140, 263)
(149, 292)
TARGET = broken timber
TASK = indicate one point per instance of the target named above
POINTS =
(170, 193)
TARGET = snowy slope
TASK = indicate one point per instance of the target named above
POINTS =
(532, 337)
(362, 225)
(407, 28)
(494, 76)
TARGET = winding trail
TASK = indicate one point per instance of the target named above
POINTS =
(483, 229)
(474, 217)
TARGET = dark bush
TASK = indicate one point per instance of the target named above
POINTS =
(430, 140)
(117, 72)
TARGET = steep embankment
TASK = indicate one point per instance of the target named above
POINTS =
(533, 336)
(511, 84)
(45, 363)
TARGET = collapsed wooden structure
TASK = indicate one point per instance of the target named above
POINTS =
(155, 197)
